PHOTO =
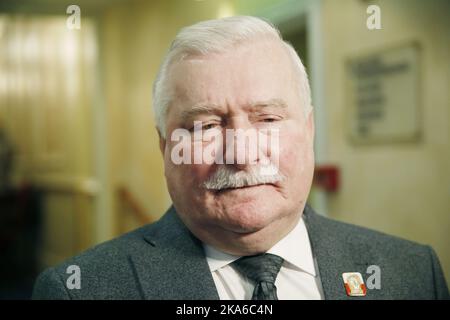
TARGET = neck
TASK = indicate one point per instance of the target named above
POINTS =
(245, 244)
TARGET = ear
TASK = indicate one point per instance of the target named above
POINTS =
(162, 142)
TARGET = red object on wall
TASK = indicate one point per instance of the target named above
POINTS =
(326, 177)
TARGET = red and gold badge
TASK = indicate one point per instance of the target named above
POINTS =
(354, 284)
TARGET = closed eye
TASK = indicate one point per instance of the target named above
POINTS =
(204, 126)
(209, 126)
(269, 119)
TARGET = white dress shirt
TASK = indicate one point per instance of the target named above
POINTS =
(297, 278)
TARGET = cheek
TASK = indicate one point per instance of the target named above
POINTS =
(183, 175)
(184, 183)
(295, 155)
(182, 168)
(197, 172)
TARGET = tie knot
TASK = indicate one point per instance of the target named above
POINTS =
(260, 268)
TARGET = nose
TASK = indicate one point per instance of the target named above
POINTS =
(241, 143)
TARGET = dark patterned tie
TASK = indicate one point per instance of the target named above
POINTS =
(263, 270)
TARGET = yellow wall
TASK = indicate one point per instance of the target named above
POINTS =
(45, 111)
(400, 188)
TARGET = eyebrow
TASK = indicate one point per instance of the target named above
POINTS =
(279, 103)
(201, 108)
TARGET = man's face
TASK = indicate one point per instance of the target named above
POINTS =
(249, 87)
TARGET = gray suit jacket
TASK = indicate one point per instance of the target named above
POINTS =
(165, 261)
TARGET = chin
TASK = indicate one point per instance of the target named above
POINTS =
(248, 217)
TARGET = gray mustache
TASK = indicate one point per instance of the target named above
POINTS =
(225, 177)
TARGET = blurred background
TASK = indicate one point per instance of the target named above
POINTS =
(79, 156)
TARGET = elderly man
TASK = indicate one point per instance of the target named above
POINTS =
(242, 229)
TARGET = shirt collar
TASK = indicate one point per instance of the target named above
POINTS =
(294, 248)
(217, 259)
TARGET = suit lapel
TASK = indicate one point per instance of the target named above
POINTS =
(334, 254)
(173, 264)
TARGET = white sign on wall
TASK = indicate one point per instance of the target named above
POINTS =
(383, 94)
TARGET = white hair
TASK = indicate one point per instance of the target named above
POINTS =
(217, 36)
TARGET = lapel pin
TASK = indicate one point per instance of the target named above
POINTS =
(354, 284)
